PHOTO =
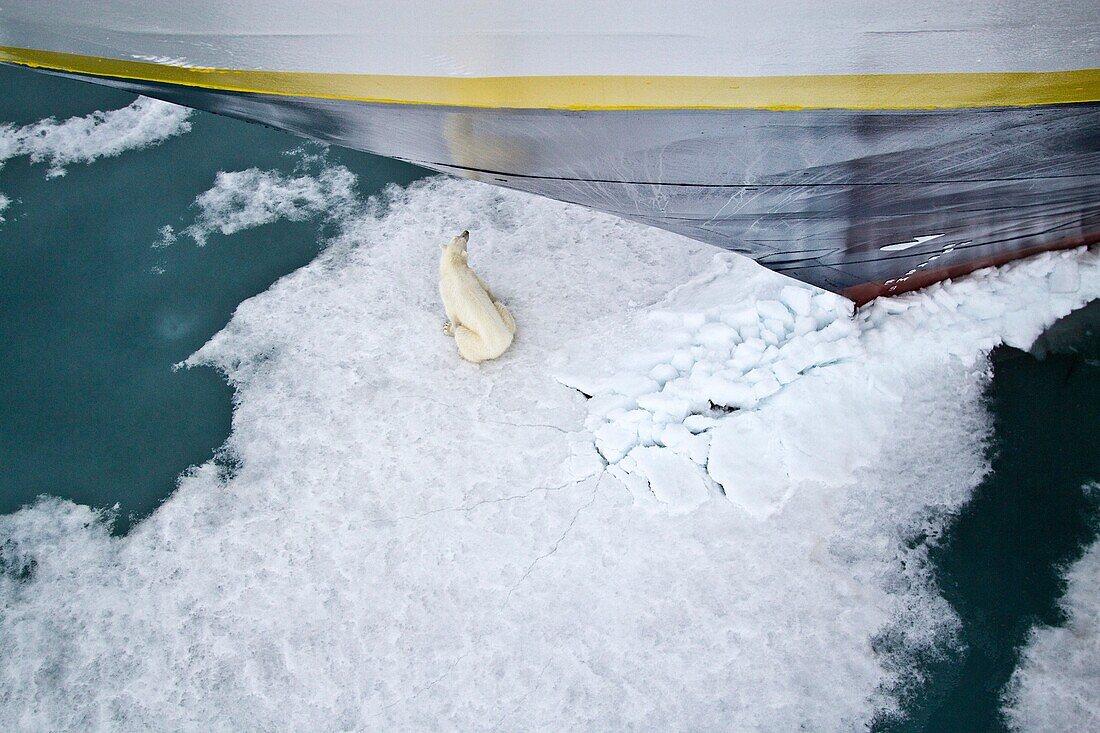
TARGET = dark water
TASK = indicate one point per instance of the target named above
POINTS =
(92, 410)
(1000, 563)
(90, 407)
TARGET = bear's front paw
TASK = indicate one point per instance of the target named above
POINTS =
(448, 328)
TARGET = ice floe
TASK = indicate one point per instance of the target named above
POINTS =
(103, 134)
(395, 539)
(250, 198)
(1057, 684)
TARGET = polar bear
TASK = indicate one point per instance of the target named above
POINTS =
(482, 327)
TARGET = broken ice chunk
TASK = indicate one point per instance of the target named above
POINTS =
(784, 373)
(699, 423)
(983, 308)
(804, 324)
(647, 432)
(766, 387)
(717, 336)
(728, 393)
(674, 480)
(602, 405)
(739, 318)
(773, 309)
(750, 332)
(747, 458)
(663, 373)
(673, 435)
(837, 330)
(770, 354)
(1065, 277)
(614, 440)
(777, 327)
(748, 354)
(944, 298)
(682, 361)
(636, 484)
(799, 300)
(798, 354)
(696, 449)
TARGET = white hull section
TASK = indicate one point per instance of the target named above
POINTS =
(573, 37)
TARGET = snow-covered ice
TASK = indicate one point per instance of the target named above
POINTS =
(1056, 687)
(762, 386)
(719, 536)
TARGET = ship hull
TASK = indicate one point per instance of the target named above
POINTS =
(864, 184)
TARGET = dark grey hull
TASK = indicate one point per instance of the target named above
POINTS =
(816, 194)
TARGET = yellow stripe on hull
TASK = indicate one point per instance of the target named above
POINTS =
(847, 91)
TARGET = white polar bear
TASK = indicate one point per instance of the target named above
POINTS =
(482, 327)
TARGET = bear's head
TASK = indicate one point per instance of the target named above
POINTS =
(458, 244)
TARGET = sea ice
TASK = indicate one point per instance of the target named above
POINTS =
(1055, 688)
(250, 198)
(104, 134)
(760, 462)
(671, 480)
(395, 539)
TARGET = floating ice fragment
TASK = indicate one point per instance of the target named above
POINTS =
(1054, 688)
(143, 123)
(241, 200)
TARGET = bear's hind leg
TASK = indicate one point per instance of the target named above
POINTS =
(509, 322)
(471, 346)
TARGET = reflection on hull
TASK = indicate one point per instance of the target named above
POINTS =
(861, 202)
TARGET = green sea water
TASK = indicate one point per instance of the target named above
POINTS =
(93, 319)
(1001, 561)
(91, 408)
